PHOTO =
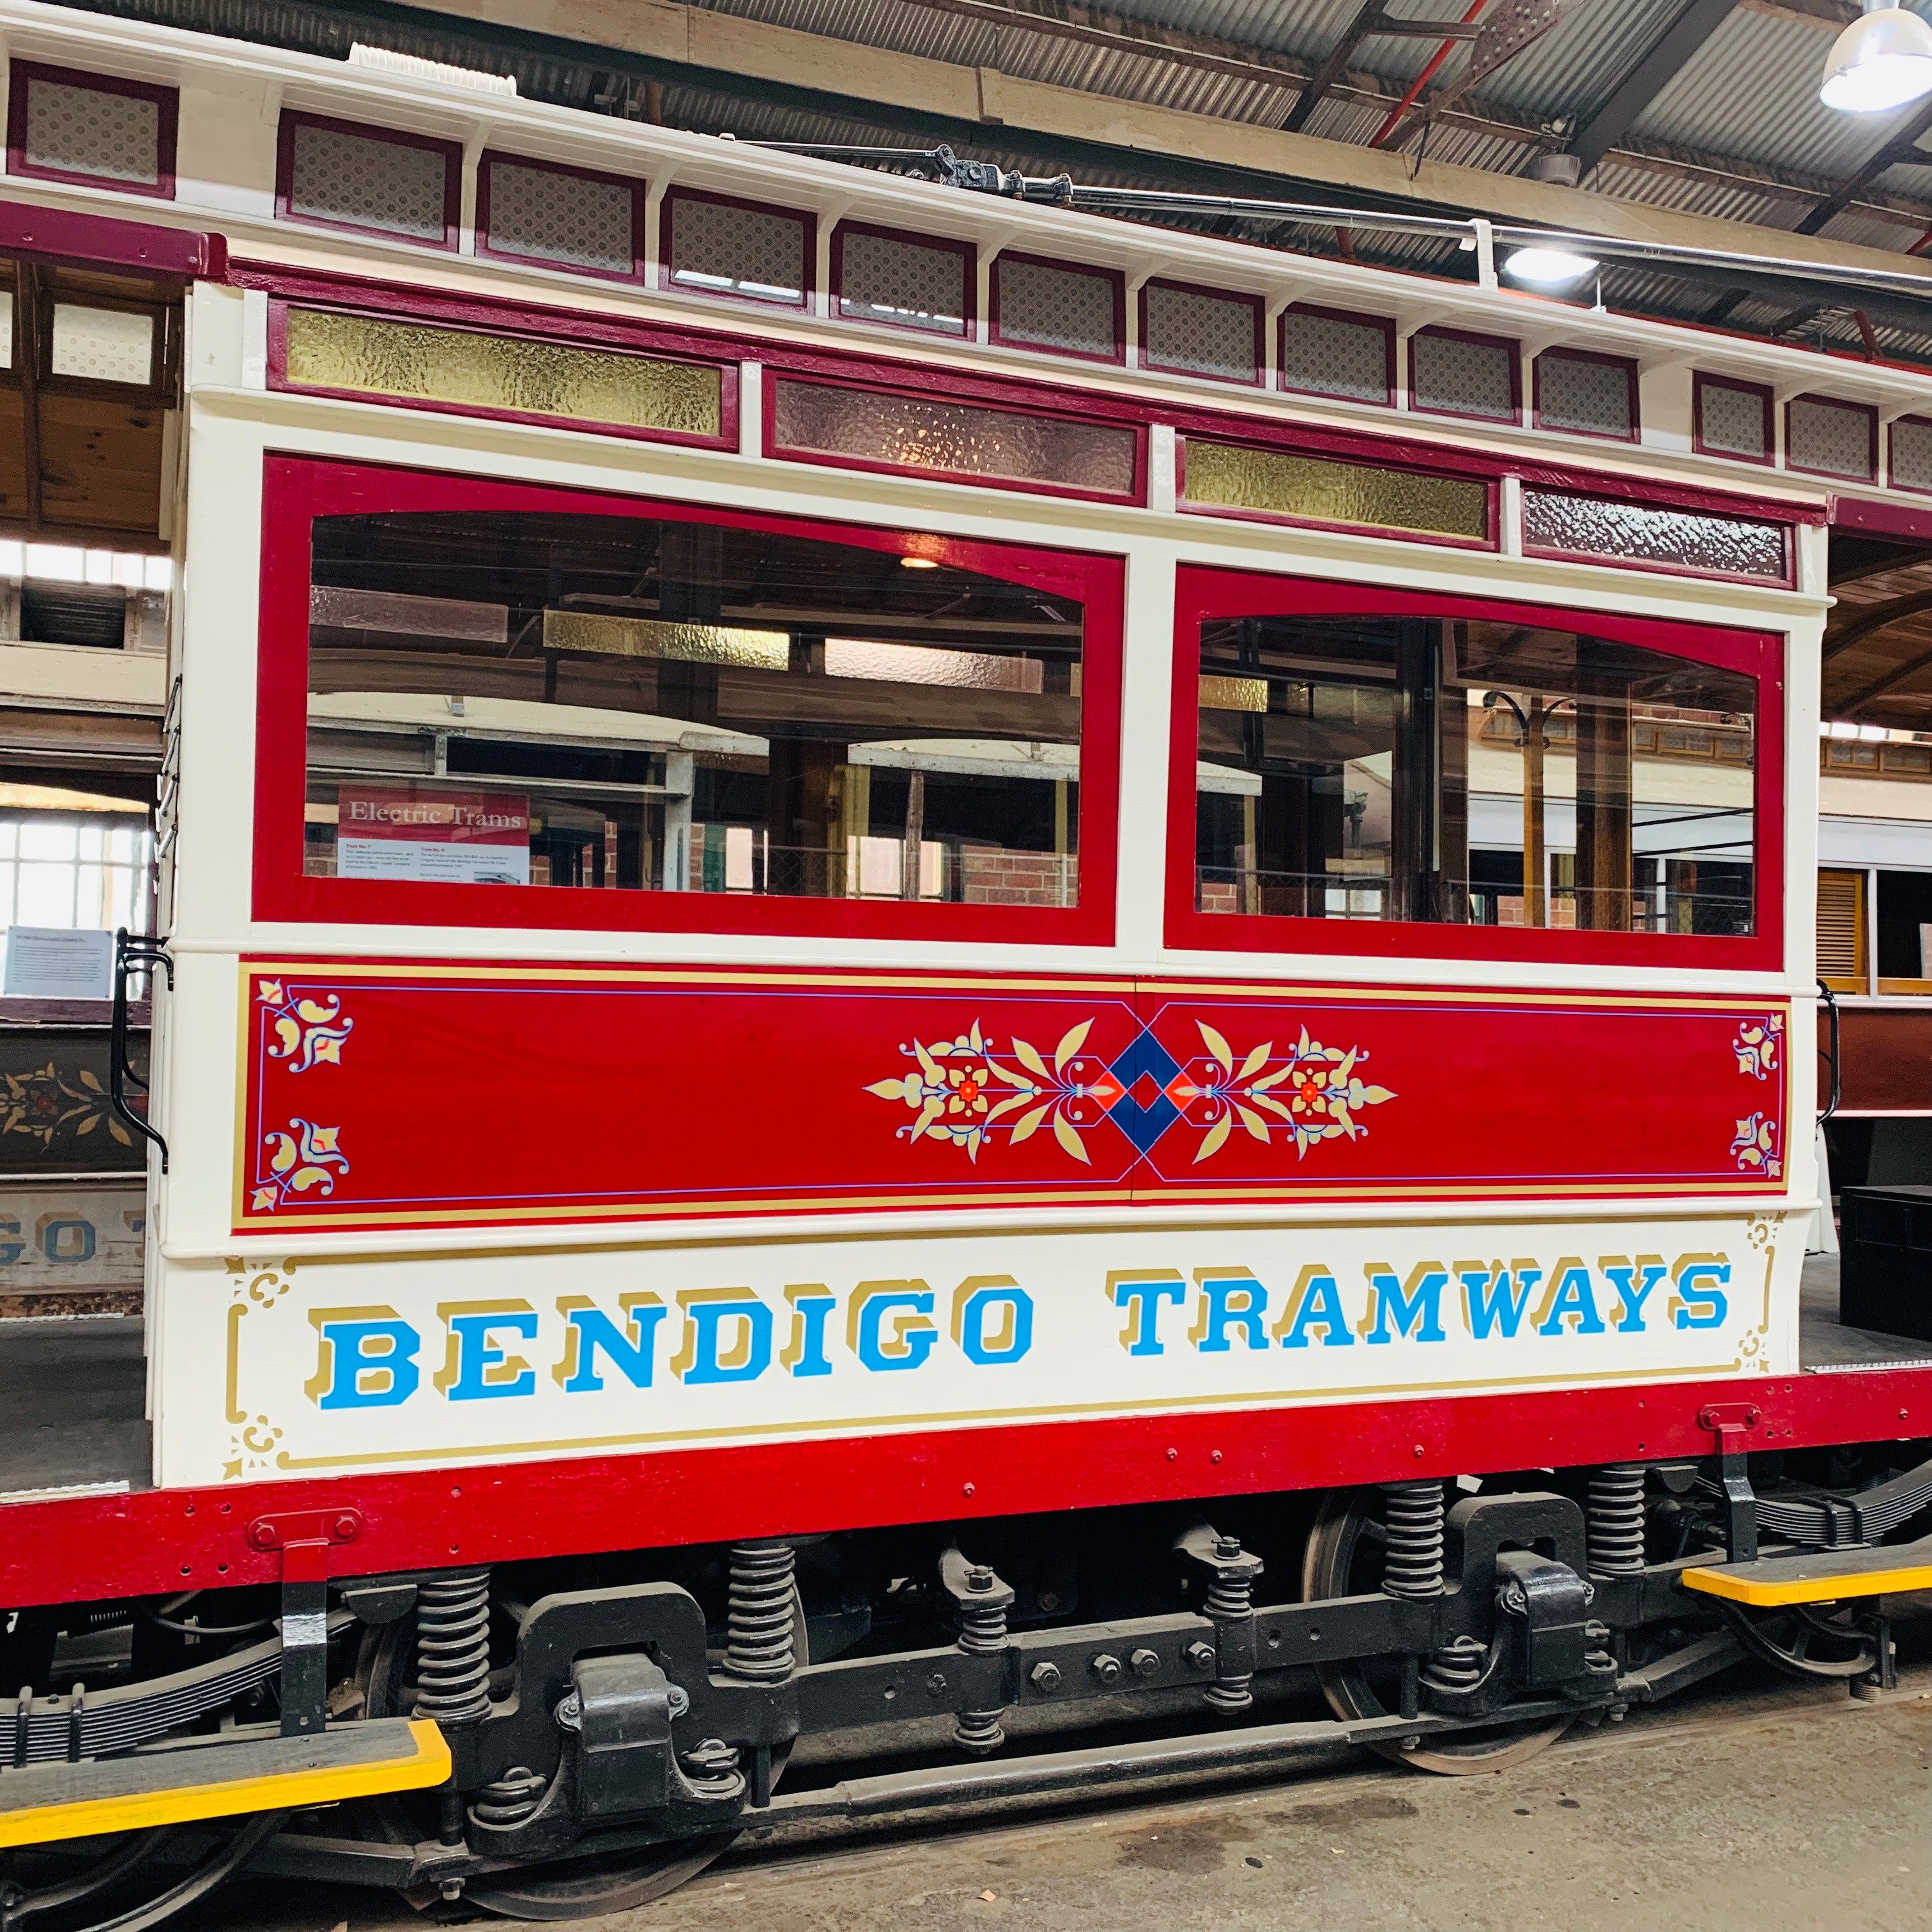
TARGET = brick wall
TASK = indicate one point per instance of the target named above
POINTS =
(989, 876)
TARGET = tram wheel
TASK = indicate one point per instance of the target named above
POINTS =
(585, 1886)
(1344, 1558)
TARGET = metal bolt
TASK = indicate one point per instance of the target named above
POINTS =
(1105, 1668)
(935, 1685)
(345, 1528)
(1048, 1601)
(1146, 1663)
(979, 1578)
(1200, 1656)
(1411, 1743)
(1046, 1677)
(1227, 1545)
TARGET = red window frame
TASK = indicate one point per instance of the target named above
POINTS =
(804, 219)
(1384, 324)
(167, 102)
(491, 156)
(1870, 474)
(452, 151)
(1702, 379)
(1116, 280)
(1256, 308)
(969, 257)
(1633, 434)
(297, 489)
(1435, 332)
(1204, 593)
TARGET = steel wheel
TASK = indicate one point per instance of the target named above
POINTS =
(1806, 1640)
(1344, 1558)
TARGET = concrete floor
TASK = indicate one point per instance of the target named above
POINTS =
(1754, 1803)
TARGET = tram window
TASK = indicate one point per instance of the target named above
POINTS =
(1472, 772)
(1903, 904)
(622, 703)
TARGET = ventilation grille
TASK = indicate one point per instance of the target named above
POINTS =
(1590, 396)
(1335, 356)
(754, 253)
(1834, 438)
(1207, 334)
(1071, 310)
(551, 214)
(1912, 453)
(1462, 376)
(73, 129)
(366, 181)
(1841, 929)
(1733, 421)
(905, 284)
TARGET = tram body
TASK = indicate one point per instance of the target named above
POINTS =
(889, 956)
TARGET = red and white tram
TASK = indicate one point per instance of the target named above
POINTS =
(933, 970)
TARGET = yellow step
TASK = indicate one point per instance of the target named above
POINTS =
(1816, 1575)
(40, 1804)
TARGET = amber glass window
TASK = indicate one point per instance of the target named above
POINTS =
(1472, 772)
(615, 703)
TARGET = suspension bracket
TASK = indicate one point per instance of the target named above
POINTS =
(1731, 1422)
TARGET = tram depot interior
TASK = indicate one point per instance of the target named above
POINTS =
(614, 710)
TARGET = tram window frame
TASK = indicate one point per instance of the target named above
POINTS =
(1205, 594)
(298, 489)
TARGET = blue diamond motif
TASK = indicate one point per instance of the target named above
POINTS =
(1144, 1125)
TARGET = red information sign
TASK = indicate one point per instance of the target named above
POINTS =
(423, 832)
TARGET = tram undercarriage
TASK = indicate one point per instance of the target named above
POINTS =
(613, 1723)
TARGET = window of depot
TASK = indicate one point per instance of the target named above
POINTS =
(698, 721)
(1386, 767)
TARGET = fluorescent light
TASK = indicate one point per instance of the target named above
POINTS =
(1880, 62)
(1549, 268)
(918, 563)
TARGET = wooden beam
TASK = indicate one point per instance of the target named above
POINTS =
(1899, 674)
(1861, 620)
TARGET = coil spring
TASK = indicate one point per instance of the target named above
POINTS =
(1616, 1519)
(508, 1801)
(1412, 1566)
(1231, 1597)
(453, 1647)
(983, 1628)
(1457, 1666)
(759, 1642)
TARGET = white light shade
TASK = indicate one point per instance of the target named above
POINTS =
(1550, 268)
(1881, 61)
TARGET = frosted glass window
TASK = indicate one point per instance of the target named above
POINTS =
(723, 249)
(551, 214)
(1733, 419)
(104, 345)
(907, 284)
(863, 426)
(1646, 533)
(1043, 306)
(1283, 483)
(1592, 395)
(6, 329)
(1200, 331)
(336, 175)
(77, 130)
(1835, 438)
(1326, 354)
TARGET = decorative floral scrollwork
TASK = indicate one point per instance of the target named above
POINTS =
(1755, 1146)
(1758, 1045)
(306, 1032)
(965, 1090)
(46, 1102)
(305, 1158)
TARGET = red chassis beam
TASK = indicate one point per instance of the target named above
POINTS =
(72, 1549)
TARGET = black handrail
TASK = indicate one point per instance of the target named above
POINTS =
(1831, 999)
(132, 953)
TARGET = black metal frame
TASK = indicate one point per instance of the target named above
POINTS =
(133, 952)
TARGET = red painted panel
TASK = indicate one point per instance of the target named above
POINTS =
(67, 1550)
(649, 1094)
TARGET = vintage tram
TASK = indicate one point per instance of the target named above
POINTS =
(819, 839)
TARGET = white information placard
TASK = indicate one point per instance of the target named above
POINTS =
(51, 962)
